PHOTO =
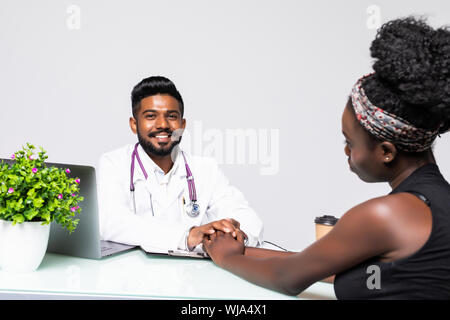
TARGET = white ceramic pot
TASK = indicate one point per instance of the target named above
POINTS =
(22, 246)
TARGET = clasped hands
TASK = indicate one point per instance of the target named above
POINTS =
(219, 238)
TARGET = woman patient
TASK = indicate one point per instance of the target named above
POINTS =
(389, 123)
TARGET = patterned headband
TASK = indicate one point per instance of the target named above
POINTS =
(387, 126)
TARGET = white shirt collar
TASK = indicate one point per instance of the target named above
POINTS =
(154, 171)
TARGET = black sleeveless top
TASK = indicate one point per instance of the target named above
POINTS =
(423, 275)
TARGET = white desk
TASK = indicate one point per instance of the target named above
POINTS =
(137, 275)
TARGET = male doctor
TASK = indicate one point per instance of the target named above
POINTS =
(154, 195)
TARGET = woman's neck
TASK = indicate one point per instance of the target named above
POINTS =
(407, 165)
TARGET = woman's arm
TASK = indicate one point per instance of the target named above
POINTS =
(363, 232)
(265, 253)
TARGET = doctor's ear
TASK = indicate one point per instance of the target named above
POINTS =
(133, 125)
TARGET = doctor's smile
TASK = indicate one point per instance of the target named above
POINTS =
(163, 137)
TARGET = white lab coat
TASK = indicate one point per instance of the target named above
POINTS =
(160, 222)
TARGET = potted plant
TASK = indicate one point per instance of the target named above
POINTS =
(33, 195)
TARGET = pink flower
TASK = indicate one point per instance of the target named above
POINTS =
(67, 171)
(60, 196)
(10, 190)
(77, 181)
(13, 156)
(30, 157)
(73, 209)
(74, 195)
(34, 170)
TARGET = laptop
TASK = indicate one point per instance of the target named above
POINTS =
(84, 241)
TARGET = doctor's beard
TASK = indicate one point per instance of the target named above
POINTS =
(150, 149)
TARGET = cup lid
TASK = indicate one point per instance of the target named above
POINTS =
(327, 220)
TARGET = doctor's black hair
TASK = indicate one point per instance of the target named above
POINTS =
(412, 72)
(152, 86)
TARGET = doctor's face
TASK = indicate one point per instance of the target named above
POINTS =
(156, 120)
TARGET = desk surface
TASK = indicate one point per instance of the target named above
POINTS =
(135, 274)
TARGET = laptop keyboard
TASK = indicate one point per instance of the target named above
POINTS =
(106, 249)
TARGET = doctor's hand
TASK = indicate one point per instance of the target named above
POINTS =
(197, 234)
(221, 245)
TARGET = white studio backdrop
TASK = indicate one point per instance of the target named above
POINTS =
(264, 84)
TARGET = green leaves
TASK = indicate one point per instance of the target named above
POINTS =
(29, 191)
(37, 202)
(18, 218)
(30, 214)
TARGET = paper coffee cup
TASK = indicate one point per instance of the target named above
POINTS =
(324, 224)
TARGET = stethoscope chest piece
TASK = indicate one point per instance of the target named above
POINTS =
(193, 210)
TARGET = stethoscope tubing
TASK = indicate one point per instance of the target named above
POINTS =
(189, 177)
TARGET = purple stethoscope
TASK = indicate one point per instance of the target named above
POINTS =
(193, 208)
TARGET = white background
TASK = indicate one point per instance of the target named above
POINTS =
(67, 69)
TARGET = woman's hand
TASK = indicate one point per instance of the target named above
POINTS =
(221, 246)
